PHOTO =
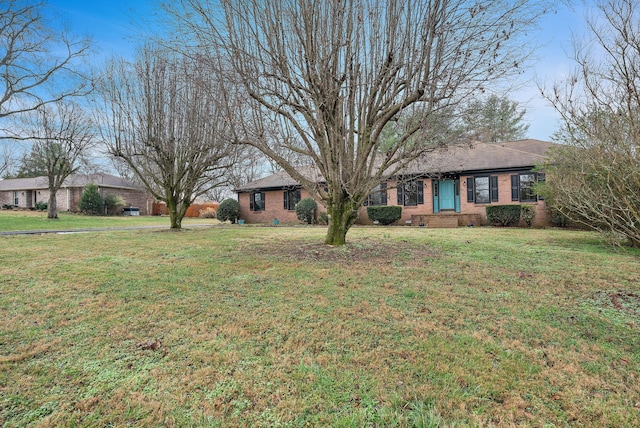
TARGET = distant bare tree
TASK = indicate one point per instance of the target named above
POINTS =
(7, 159)
(163, 117)
(63, 134)
(331, 74)
(594, 178)
(38, 63)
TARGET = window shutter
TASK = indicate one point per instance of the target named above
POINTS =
(286, 200)
(493, 187)
(252, 198)
(420, 185)
(400, 196)
(541, 179)
(470, 190)
(384, 193)
(515, 187)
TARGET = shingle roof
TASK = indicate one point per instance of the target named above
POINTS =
(482, 157)
(279, 180)
(78, 180)
(471, 158)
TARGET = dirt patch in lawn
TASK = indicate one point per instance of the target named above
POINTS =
(361, 250)
(626, 301)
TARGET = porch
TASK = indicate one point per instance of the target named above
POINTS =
(447, 220)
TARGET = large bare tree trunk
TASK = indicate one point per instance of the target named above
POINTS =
(177, 210)
(342, 215)
(174, 215)
(52, 205)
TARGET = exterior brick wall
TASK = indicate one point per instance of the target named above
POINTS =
(274, 208)
(132, 198)
(274, 201)
(6, 198)
(68, 199)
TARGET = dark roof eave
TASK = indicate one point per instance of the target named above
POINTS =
(268, 188)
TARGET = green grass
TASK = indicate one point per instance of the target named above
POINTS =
(37, 220)
(240, 326)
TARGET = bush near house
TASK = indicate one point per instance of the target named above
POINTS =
(323, 218)
(91, 201)
(114, 203)
(384, 214)
(504, 215)
(306, 210)
(528, 214)
(511, 215)
(229, 209)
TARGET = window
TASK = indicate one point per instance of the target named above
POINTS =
(411, 193)
(482, 190)
(291, 198)
(16, 199)
(523, 186)
(378, 195)
(256, 201)
(481, 185)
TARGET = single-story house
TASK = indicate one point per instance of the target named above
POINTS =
(26, 192)
(446, 188)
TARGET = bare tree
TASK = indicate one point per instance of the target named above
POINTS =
(63, 134)
(329, 75)
(163, 117)
(594, 179)
(7, 159)
(39, 64)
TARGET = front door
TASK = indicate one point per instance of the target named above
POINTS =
(446, 195)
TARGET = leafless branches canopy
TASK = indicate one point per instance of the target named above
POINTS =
(163, 116)
(38, 63)
(63, 133)
(595, 179)
(330, 75)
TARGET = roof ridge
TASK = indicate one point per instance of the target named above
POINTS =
(521, 151)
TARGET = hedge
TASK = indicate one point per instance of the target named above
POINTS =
(511, 215)
(384, 214)
(504, 215)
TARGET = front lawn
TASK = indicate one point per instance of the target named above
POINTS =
(246, 326)
(37, 220)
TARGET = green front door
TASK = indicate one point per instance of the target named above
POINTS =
(447, 195)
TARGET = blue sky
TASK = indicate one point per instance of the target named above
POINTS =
(112, 24)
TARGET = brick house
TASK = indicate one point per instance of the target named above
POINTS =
(447, 188)
(26, 192)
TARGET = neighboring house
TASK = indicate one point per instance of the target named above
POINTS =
(446, 188)
(26, 192)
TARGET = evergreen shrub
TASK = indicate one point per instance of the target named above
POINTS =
(91, 200)
(504, 215)
(384, 214)
(229, 209)
(306, 210)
